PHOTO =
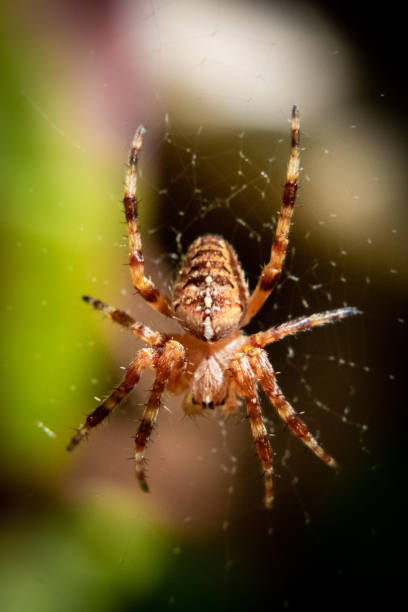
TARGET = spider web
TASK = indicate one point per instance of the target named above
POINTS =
(206, 471)
(223, 77)
(215, 174)
(230, 190)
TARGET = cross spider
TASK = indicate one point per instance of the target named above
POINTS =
(213, 362)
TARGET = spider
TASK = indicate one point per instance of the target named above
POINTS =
(214, 362)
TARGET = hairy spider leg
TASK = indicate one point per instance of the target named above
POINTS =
(144, 359)
(272, 270)
(145, 430)
(171, 361)
(290, 328)
(140, 330)
(246, 382)
(264, 372)
(141, 283)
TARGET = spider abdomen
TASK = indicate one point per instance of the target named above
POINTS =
(210, 293)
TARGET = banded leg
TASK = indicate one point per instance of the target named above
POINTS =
(264, 372)
(120, 316)
(301, 324)
(143, 359)
(271, 272)
(246, 382)
(141, 283)
(170, 361)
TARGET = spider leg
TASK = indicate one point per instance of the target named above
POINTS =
(259, 361)
(120, 316)
(143, 359)
(271, 272)
(301, 324)
(246, 381)
(141, 283)
(170, 361)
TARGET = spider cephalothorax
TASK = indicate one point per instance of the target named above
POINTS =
(213, 363)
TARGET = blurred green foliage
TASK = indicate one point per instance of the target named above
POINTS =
(49, 204)
(55, 555)
(91, 556)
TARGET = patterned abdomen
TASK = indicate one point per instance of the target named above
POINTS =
(210, 294)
